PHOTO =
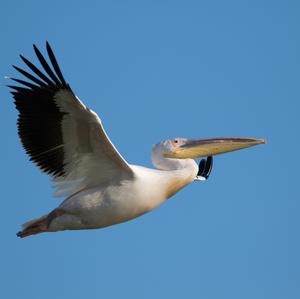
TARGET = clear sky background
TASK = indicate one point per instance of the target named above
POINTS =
(154, 70)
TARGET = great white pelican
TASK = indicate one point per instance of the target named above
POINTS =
(66, 139)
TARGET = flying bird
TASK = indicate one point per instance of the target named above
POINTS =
(66, 140)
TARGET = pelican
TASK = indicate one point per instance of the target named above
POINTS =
(66, 140)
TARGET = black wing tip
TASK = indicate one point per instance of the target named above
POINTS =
(208, 166)
(56, 65)
(201, 167)
(15, 67)
(25, 83)
(54, 78)
(34, 100)
(31, 77)
(36, 49)
(14, 87)
(205, 167)
(48, 46)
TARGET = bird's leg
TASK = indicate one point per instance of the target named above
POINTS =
(40, 225)
(205, 167)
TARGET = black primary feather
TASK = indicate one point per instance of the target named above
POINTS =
(208, 166)
(202, 164)
(40, 120)
(205, 167)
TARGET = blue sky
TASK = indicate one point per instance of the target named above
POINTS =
(154, 70)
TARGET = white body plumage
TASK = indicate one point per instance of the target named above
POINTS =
(127, 199)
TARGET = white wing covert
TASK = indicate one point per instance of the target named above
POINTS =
(60, 134)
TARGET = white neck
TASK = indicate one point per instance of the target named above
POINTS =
(159, 185)
(179, 177)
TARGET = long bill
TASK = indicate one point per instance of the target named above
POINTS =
(196, 148)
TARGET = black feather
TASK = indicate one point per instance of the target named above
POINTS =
(46, 65)
(205, 167)
(37, 71)
(30, 77)
(201, 167)
(208, 166)
(40, 120)
(28, 84)
(55, 64)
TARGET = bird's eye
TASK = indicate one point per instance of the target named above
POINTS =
(175, 141)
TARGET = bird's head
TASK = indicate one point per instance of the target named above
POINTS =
(172, 153)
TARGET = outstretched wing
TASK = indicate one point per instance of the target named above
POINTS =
(60, 134)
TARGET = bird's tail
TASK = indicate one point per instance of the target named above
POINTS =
(34, 227)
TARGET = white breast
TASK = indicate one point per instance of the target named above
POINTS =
(127, 199)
